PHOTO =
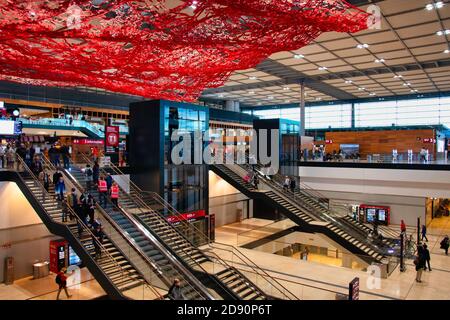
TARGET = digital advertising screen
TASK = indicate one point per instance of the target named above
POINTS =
(74, 260)
(371, 214)
(7, 127)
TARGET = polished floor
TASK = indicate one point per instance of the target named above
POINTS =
(46, 289)
(312, 280)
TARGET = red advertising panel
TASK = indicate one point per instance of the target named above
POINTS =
(190, 216)
(88, 141)
(429, 140)
(58, 255)
(112, 136)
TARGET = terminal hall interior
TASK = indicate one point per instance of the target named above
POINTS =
(224, 150)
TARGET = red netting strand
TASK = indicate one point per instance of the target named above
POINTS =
(168, 49)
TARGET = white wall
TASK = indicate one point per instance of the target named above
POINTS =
(225, 201)
(414, 183)
(406, 208)
(21, 227)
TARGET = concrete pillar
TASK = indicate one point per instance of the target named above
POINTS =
(302, 109)
(237, 106)
(229, 105)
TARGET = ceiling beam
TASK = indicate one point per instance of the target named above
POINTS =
(332, 76)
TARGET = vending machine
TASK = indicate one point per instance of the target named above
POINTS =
(59, 257)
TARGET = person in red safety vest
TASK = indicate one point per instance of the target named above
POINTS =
(115, 194)
(102, 192)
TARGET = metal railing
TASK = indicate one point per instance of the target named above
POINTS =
(137, 193)
(104, 252)
(198, 287)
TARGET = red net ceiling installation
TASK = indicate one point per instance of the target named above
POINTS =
(168, 49)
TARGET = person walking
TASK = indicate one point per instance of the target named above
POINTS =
(109, 182)
(175, 291)
(95, 173)
(97, 239)
(427, 257)
(66, 156)
(419, 262)
(424, 233)
(445, 244)
(402, 227)
(72, 201)
(115, 194)
(56, 176)
(44, 177)
(61, 280)
(292, 185)
(287, 183)
(36, 166)
(88, 177)
(60, 189)
(90, 207)
(102, 192)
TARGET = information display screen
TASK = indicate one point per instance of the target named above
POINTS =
(371, 215)
(74, 260)
(10, 128)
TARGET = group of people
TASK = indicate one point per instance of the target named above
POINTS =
(289, 184)
(55, 153)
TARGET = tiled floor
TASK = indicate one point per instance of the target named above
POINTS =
(309, 280)
(46, 289)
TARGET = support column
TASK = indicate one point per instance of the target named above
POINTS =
(229, 105)
(237, 106)
(302, 109)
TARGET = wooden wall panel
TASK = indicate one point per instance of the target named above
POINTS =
(383, 142)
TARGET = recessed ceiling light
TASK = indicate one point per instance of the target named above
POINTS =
(286, 88)
(362, 46)
(446, 51)
(194, 4)
(252, 78)
(318, 99)
(361, 89)
(442, 32)
(251, 92)
(414, 91)
(380, 60)
(398, 76)
(298, 56)
(348, 81)
(270, 97)
(407, 84)
(259, 103)
(287, 101)
(437, 5)
(372, 94)
(323, 68)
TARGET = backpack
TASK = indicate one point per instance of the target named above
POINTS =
(89, 172)
(416, 261)
(58, 279)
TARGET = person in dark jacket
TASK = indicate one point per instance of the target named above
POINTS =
(95, 173)
(56, 176)
(420, 262)
(66, 156)
(292, 185)
(175, 291)
(36, 167)
(109, 182)
(424, 233)
(445, 243)
(427, 257)
(99, 236)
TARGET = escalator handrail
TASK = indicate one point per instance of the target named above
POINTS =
(132, 243)
(79, 221)
(325, 217)
(175, 212)
(231, 249)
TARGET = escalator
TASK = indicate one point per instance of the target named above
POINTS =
(224, 279)
(112, 270)
(310, 220)
(151, 259)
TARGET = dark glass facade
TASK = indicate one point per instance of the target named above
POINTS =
(184, 186)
